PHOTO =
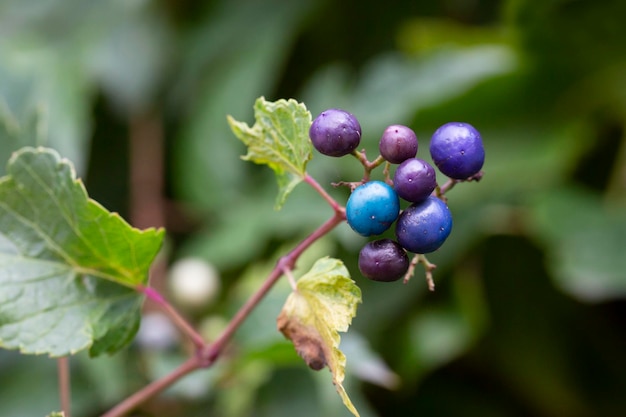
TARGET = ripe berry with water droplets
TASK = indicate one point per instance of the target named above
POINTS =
(383, 260)
(414, 180)
(457, 150)
(423, 227)
(335, 132)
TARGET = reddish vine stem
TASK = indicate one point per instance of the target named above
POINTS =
(174, 315)
(154, 388)
(337, 208)
(288, 261)
(207, 354)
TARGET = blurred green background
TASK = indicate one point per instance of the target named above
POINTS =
(528, 316)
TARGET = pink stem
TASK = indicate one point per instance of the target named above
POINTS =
(153, 388)
(321, 191)
(288, 261)
(174, 315)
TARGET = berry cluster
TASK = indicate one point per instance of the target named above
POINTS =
(373, 206)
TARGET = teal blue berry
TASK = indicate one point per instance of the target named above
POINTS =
(372, 208)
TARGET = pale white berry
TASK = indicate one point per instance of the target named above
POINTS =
(194, 282)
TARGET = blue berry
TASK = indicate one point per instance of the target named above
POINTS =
(414, 180)
(372, 208)
(398, 143)
(335, 132)
(457, 150)
(383, 260)
(423, 227)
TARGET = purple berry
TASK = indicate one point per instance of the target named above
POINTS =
(335, 132)
(398, 143)
(457, 150)
(383, 260)
(414, 180)
(423, 227)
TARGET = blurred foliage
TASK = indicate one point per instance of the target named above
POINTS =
(528, 314)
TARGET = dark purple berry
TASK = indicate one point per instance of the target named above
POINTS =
(423, 227)
(414, 180)
(335, 132)
(398, 143)
(383, 260)
(457, 150)
(372, 208)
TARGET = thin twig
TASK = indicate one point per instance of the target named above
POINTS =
(411, 270)
(153, 388)
(206, 355)
(448, 185)
(292, 281)
(428, 269)
(174, 315)
(212, 351)
(368, 167)
(337, 208)
(65, 392)
(386, 171)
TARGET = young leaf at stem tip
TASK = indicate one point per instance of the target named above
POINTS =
(322, 305)
(279, 138)
(68, 267)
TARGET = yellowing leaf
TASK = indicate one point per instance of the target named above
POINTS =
(323, 305)
(280, 139)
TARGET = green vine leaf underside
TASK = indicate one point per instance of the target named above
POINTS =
(323, 305)
(280, 139)
(68, 267)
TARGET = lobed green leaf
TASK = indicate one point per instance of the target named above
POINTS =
(280, 139)
(69, 269)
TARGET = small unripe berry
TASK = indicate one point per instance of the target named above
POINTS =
(398, 143)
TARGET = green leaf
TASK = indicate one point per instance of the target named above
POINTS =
(585, 245)
(56, 414)
(323, 304)
(62, 260)
(279, 139)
